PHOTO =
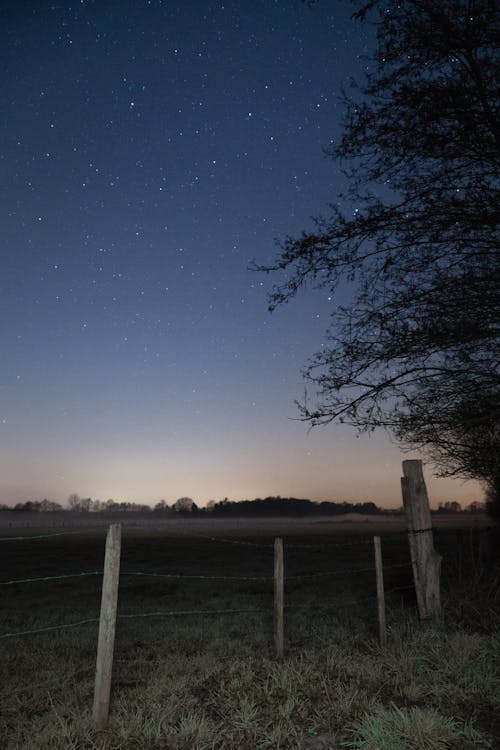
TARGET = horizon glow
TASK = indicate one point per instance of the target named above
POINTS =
(149, 153)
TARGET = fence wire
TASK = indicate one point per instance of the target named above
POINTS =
(195, 577)
(134, 615)
(176, 576)
(270, 545)
(33, 537)
(326, 604)
(344, 572)
(313, 604)
(328, 545)
(181, 576)
(173, 612)
(51, 578)
(49, 627)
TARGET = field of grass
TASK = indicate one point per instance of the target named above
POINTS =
(194, 665)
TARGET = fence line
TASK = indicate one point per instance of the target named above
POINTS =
(47, 536)
(327, 603)
(135, 615)
(183, 576)
(173, 612)
(269, 545)
(180, 576)
(194, 534)
(223, 539)
(49, 627)
(109, 614)
(51, 578)
(312, 604)
(335, 545)
(343, 572)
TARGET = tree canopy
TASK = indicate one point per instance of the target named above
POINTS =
(417, 349)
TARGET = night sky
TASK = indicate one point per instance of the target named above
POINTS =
(149, 151)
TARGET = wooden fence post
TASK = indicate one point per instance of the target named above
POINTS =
(107, 622)
(426, 562)
(279, 640)
(380, 591)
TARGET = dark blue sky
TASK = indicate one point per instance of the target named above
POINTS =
(149, 151)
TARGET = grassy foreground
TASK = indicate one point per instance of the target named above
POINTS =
(201, 681)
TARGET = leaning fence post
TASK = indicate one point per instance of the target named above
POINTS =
(107, 622)
(279, 640)
(426, 562)
(380, 591)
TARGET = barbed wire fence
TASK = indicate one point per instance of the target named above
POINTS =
(188, 577)
(377, 598)
(185, 578)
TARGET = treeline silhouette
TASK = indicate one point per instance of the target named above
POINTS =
(268, 506)
(289, 506)
(186, 507)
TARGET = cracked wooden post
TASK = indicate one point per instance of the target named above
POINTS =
(426, 562)
(279, 638)
(107, 622)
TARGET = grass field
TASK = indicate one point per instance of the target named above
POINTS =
(194, 665)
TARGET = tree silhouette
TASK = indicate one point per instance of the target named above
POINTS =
(417, 350)
(184, 505)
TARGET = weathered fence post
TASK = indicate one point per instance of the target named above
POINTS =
(380, 591)
(425, 560)
(107, 622)
(279, 640)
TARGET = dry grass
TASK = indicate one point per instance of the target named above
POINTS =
(198, 682)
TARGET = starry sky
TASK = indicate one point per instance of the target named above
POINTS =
(149, 150)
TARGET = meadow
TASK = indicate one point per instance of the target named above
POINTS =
(194, 665)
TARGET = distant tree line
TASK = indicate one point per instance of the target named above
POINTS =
(35, 506)
(288, 506)
(260, 507)
(451, 506)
